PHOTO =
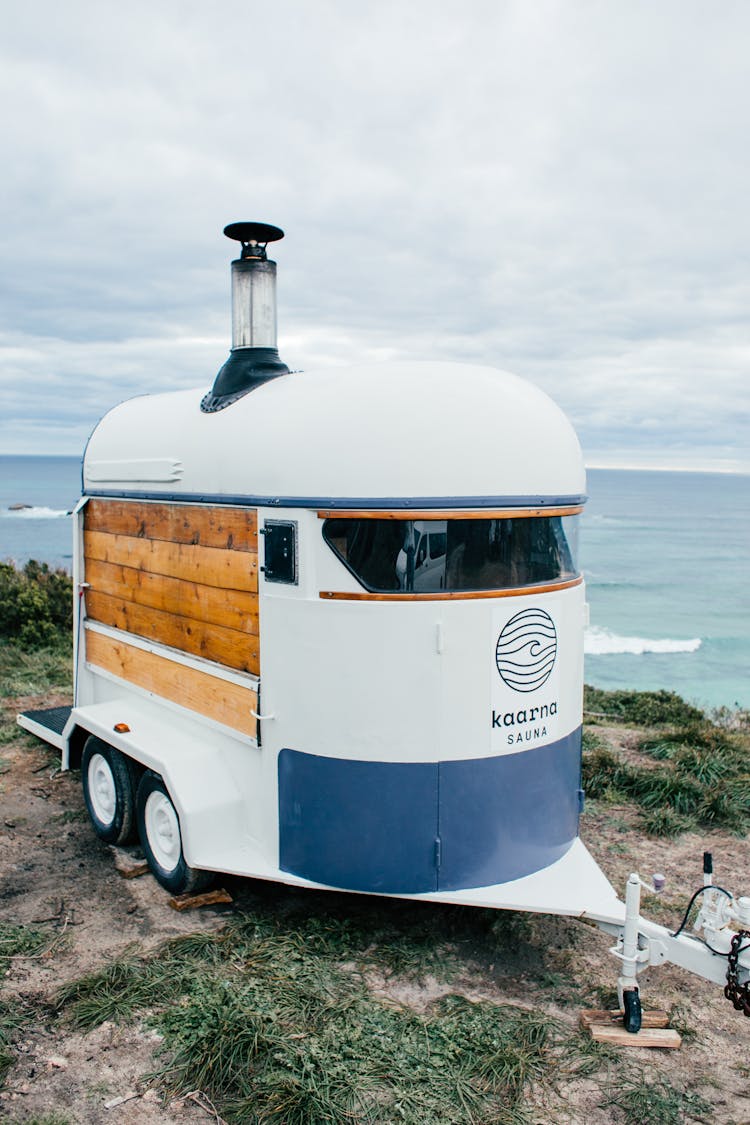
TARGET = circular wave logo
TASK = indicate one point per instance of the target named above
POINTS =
(526, 650)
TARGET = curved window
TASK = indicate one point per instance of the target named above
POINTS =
(429, 556)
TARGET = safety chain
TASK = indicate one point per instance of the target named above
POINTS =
(738, 994)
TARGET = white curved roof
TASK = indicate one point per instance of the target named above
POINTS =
(378, 432)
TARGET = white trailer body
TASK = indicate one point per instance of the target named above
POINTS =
(390, 756)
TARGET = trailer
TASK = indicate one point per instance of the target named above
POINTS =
(329, 632)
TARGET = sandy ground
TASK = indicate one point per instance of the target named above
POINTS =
(55, 874)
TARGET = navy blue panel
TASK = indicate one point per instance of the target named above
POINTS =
(365, 826)
(504, 817)
(372, 503)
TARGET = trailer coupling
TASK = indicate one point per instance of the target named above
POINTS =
(717, 948)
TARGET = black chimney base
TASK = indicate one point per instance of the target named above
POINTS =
(246, 369)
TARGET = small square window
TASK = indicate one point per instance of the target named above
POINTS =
(280, 551)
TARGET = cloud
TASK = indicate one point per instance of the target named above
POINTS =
(556, 189)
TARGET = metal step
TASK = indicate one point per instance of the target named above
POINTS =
(47, 724)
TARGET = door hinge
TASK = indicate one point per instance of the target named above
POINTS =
(438, 851)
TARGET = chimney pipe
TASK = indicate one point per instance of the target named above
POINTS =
(254, 358)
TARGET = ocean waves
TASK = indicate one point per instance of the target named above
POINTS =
(32, 513)
(599, 641)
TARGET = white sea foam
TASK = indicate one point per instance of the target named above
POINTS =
(35, 513)
(602, 642)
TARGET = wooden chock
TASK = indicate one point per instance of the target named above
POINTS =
(192, 902)
(607, 1027)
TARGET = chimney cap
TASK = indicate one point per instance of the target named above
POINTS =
(253, 232)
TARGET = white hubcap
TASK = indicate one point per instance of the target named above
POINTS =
(102, 790)
(163, 830)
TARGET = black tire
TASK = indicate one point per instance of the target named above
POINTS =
(108, 779)
(161, 840)
(631, 1000)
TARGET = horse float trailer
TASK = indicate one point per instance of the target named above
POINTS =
(329, 631)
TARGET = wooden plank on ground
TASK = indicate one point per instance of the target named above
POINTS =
(646, 1037)
(591, 1016)
(191, 902)
(196, 690)
(211, 566)
(230, 647)
(127, 865)
(235, 610)
(233, 528)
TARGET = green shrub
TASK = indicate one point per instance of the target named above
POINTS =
(603, 772)
(36, 605)
(639, 708)
(664, 822)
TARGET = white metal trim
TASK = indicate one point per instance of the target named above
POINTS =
(136, 469)
(40, 731)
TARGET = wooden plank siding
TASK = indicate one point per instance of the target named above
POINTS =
(186, 599)
(212, 642)
(212, 566)
(181, 575)
(227, 703)
(235, 529)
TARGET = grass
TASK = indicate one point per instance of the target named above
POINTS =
(273, 1019)
(655, 1101)
(14, 941)
(28, 673)
(18, 940)
(12, 1017)
(35, 672)
(695, 774)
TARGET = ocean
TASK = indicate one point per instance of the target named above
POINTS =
(665, 556)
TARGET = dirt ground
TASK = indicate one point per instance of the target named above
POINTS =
(56, 875)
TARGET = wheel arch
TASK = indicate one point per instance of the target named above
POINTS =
(76, 743)
(77, 740)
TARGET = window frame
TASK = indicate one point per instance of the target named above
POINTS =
(369, 592)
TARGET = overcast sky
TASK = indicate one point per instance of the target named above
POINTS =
(559, 189)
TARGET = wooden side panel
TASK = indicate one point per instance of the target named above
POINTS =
(228, 570)
(235, 529)
(186, 599)
(230, 704)
(212, 642)
(182, 575)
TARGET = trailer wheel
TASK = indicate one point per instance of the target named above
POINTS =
(159, 830)
(109, 791)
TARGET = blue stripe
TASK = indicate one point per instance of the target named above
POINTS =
(365, 826)
(503, 818)
(413, 827)
(372, 503)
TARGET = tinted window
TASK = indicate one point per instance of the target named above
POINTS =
(426, 556)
